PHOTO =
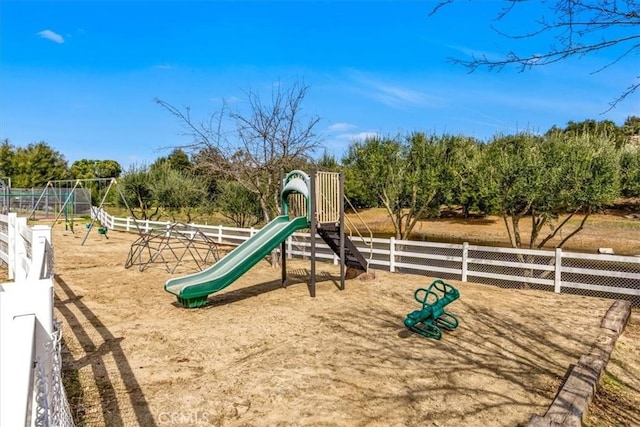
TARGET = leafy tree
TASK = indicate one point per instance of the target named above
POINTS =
(37, 164)
(577, 28)
(631, 127)
(541, 178)
(7, 159)
(178, 160)
(593, 127)
(463, 180)
(238, 204)
(200, 169)
(90, 169)
(136, 184)
(328, 163)
(252, 146)
(157, 190)
(175, 191)
(630, 172)
(426, 160)
(404, 174)
(375, 165)
(108, 169)
(357, 190)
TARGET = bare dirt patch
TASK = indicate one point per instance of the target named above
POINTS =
(262, 355)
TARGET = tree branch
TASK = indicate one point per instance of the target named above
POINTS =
(555, 231)
(574, 232)
(580, 27)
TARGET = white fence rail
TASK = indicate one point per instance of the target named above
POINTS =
(30, 362)
(554, 270)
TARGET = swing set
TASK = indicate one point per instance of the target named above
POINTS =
(66, 192)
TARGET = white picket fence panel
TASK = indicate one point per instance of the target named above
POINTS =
(31, 391)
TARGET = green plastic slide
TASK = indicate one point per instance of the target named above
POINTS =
(192, 290)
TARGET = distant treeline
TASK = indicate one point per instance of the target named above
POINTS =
(575, 170)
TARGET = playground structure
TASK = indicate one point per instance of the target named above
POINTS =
(45, 203)
(169, 246)
(315, 202)
(432, 318)
(66, 195)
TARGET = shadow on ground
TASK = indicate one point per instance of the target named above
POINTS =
(294, 278)
(497, 351)
(111, 398)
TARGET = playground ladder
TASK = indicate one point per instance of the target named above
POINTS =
(353, 258)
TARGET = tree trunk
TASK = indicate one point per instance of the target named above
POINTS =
(265, 210)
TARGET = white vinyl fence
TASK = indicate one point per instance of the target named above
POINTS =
(31, 391)
(556, 270)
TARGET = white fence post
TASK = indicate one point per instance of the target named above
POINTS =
(26, 327)
(20, 251)
(392, 254)
(465, 257)
(40, 236)
(220, 234)
(557, 281)
(11, 248)
(289, 247)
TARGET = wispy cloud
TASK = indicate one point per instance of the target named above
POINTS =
(360, 136)
(390, 93)
(50, 35)
(397, 96)
(163, 67)
(470, 53)
(341, 127)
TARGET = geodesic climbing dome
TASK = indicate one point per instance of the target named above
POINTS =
(173, 245)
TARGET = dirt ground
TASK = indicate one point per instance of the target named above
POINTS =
(262, 355)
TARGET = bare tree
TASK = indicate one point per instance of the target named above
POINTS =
(251, 146)
(579, 27)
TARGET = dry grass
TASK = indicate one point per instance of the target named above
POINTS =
(601, 230)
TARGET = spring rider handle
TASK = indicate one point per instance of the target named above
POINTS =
(432, 318)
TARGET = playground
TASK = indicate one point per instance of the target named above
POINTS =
(259, 354)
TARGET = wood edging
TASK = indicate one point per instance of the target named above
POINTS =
(570, 406)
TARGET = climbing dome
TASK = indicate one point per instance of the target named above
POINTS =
(172, 246)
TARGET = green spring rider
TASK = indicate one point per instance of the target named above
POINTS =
(430, 321)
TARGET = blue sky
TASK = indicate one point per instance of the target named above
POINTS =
(82, 75)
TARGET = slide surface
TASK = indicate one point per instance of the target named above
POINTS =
(237, 262)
